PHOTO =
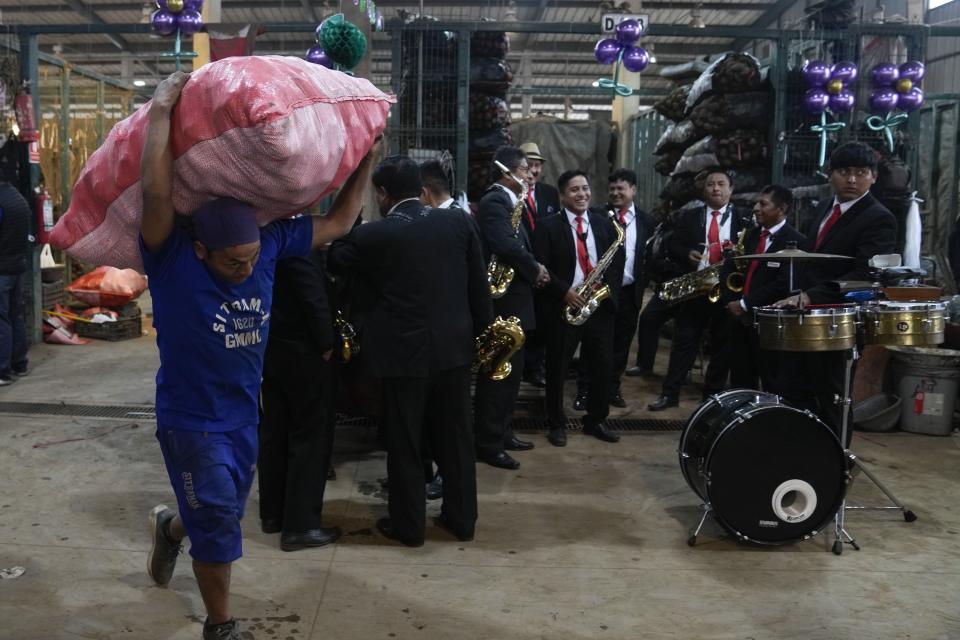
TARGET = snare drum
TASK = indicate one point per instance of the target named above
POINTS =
(818, 328)
(903, 323)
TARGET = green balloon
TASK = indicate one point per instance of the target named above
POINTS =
(343, 41)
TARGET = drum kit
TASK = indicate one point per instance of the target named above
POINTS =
(774, 474)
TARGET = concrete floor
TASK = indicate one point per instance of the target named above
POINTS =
(583, 542)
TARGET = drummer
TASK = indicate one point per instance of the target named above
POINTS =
(853, 224)
(765, 282)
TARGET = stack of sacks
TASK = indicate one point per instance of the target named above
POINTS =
(278, 133)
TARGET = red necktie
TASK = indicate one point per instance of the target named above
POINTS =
(832, 220)
(623, 216)
(761, 248)
(583, 256)
(531, 209)
(713, 240)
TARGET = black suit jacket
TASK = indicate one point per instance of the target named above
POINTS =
(548, 203)
(865, 230)
(771, 280)
(645, 225)
(554, 247)
(301, 309)
(690, 230)
(493, 220)
(430, 289)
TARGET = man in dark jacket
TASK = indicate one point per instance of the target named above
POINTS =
(14, 243)
(571, 245)
(763, 284)
(495, 399)
(298, 410)
(431, 302)
(854, 224)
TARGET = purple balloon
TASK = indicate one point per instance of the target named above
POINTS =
(189, 22)
(635, 59)
(815, 101)
(816, 73)
(911, 100)
(192, 5)
(885, 74)
(884, 101)
(912, 70)
(607, 51)
(629, 31)
(163, 22)
(317, 55)
(842, 102)
(845, 72)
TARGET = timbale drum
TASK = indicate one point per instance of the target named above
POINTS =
(770, 473)
(816, 328)
(903, 323)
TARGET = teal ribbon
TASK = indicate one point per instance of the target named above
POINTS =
(886, 124)
(177, 53)
(615, 85)
(824, 129)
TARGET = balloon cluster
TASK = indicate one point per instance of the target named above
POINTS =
(340, 42)
(896, 88)
(177, 16)
(622, 50)
(827, 87)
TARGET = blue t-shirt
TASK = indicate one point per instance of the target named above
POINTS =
(212, 334)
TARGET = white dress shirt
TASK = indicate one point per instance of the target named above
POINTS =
(446, 203)
(772, 231)
(726, 215)
(400, 203)
(630, 244)
(578, 275)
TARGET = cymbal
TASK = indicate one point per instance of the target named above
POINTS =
(792, 254)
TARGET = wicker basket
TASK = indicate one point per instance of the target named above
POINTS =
(129, 325)
(51, 294)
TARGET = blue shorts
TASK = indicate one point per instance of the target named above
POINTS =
(211, 474)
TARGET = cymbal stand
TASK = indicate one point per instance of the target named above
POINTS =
(842, 537)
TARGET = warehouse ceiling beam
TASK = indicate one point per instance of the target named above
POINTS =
(764, 20)
(308, 10)
(87, 12)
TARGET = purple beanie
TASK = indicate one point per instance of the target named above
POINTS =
(225, 222)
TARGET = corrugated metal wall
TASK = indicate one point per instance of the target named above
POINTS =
(943, 54)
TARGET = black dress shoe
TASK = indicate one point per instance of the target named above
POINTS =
(663, 402)
(513, 443)
(296, 540)
(616, 400)
(435, 488)
(557, 437)
(600, 432)
(580, 402)
(441, 522)
(271, 525)
(386, 529)
(502, 461)
(536, 379)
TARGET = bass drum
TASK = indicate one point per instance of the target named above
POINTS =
(771, 474)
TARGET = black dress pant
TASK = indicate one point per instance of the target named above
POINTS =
(624, 326)
(595, 338)
(652, 318)
(750, 366)
(440, 406)
(493, 407)
(296, 433)
(813, 380)
(691, 319)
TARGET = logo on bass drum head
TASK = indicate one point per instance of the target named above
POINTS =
(903, 327)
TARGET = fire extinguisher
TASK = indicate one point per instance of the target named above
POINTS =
(44, 216)
(26, 120)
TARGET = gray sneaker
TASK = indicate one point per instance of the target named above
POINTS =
(225, 631)
(163, 551)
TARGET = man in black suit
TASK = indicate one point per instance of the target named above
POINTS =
(432, 301)
(570, 245)
(854, 224)
(297, 411)
(699, 240)
(493, 404)
(637, 224)
(436, 187)
(764, 284)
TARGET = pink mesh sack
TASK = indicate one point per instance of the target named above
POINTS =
(276, 132)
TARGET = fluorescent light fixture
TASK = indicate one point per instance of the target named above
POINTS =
(933, 4)
(139, 83)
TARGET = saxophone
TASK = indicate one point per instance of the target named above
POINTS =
(501, 275)
(705, 282)
(349, 346)
(592, 290)
(496, 345)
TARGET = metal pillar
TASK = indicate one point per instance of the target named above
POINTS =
(65, 154)
(29, 71)
(463, 109)
(101, 99)
(778, 141)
